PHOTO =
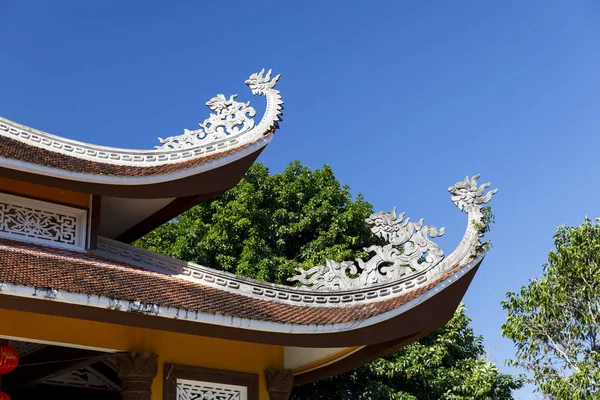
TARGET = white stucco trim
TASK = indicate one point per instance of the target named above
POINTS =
(135, 180)
(125, 305)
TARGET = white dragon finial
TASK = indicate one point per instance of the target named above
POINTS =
(231, 118)
(466, 194)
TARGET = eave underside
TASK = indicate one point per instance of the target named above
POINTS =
(221, 177)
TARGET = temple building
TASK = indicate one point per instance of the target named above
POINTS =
(89, 314)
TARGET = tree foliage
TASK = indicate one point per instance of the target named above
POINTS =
(446, 364)
(270, 224)
(554, 321)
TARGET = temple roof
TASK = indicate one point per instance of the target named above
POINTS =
(16, 150)
(51, 270)
(350, 312)
(227, 136)
(338, 302)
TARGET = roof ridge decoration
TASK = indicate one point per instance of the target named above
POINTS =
(321, 287)
(232, 117)
(409, 249)
(231, 126)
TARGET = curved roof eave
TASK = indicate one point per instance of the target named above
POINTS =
(363, 332)
(227, 135)
(227, 159)
(336, 309)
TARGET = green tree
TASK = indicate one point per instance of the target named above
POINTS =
(446, 364)
(554, 321)
(270, 224)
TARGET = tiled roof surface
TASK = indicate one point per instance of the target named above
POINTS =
(13, 149)
(44, 267)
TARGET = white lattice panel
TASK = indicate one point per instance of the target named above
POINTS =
(198, 390)
(42, 222)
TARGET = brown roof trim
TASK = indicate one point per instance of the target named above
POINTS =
(213, 181)
(43, 267)
(433, 311)
(360, 357)
(16, 150)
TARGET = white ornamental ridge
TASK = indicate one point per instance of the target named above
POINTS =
(408, 250)
(232, 118)
(322, 286)
(231, 126)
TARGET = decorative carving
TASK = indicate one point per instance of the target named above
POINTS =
(231, 126)
(136, 372)
(261, 84)
(137, 306)
(230, 116)
(197, 390)
(466, 194)
(419, 258)
(25, 348)
(409, 249)
(51, 293)
(116, 304)
(279, 383)
(85, 377)
(41, 222)
(183, 382)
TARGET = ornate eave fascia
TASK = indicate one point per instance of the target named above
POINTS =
(230, 126)
(156, 310)
(327, 304)
(409, 261)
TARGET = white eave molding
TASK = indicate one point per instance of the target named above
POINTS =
(135, 180)
(231, 126)
(125, 305)
(409, 261)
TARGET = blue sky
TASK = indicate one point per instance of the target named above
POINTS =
(401, 99)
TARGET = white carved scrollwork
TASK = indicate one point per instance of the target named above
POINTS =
(231, 117)
(197, 390)
(408, 251)
(42, 222)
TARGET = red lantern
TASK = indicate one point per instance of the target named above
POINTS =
(4, 396)
(9, 359)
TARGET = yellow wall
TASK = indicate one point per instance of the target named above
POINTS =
(171, 347)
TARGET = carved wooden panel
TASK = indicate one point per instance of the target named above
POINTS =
(42, 222)
(184, 382)
(198, 390)
(85, 377)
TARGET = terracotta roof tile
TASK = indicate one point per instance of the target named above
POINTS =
(44, 267)
(14, 149)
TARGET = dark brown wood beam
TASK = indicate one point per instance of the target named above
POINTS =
(47, 363)
(95, 221)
